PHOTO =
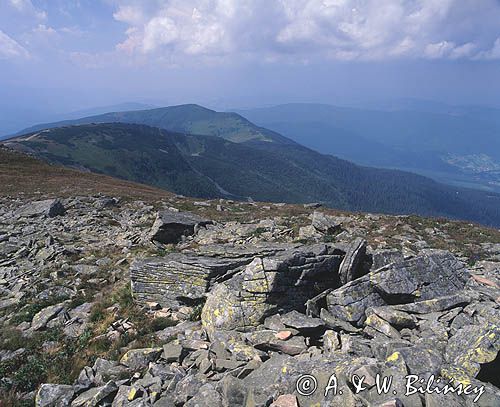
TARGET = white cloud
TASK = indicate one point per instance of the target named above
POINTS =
(10, 48)
(302, 29)
(27, 7)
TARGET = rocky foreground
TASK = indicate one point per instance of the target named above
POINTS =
(111, 301)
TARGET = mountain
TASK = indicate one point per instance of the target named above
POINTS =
(418, 140)
(191, 119)
(211, 167)
(13, 118)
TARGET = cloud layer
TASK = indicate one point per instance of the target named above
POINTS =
(304, 29)
(9, 48)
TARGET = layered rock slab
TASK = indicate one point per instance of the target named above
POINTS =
(432, 274)
(271, 285)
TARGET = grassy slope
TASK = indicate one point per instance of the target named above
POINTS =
(24, 176)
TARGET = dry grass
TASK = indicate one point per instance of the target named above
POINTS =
(24, 176)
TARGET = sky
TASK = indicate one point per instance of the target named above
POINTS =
(62, 55)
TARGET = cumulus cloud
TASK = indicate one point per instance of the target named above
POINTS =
(339, 29)
(10, 48)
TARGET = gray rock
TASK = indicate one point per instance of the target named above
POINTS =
(177, 279)
(172, 352)
(138, 359)
(351, 266)
(381, 258)
(41, 319)
(470, 347)
(105, 370)
(295, 319)
(207, 396)
(54, 395)
(96, 396)
(48, 207)
(433, 274)
(324, 224)
(270, 285)
(170, 226)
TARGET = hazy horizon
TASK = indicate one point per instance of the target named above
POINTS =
(62, 56)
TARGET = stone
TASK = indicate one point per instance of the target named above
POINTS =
(335, 323)
(105, 370)
(382, 258)
(188, 387)
(283, 335)
(49, 208)
(470, 347)
(295, 319)
(351, 266)
(170, 226)
(324, 224)
(266, 340)
(286, 400)
(138, 359)
(41, 319)
(178, 279)
(96, 396)
(207, 396)
(233, 391)
(54, 395)
(172, 352)
(270, 285)
(435, 273)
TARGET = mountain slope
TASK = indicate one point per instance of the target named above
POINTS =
(455, 145)
(211, 167)
(191, 119)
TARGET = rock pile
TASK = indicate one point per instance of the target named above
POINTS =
(260, 313)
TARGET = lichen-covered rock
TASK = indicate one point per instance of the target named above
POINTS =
(137, 359)
(185, 278)
(170, 226)
(433, 274)
(271, 285)
(470, 347)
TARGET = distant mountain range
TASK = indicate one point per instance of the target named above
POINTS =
(455, 145)
(195, 151)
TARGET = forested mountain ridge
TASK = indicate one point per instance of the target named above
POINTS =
(211, 167)
(189, 118)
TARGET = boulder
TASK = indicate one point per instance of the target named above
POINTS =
(170, 226)
(433, 274)
(351, 266)
(270, 285)
(54, 395)
(41, 319)
(49, 208)
(470, 347)
(324, 223)
(138, 359)
(178, 279)
(96, 396)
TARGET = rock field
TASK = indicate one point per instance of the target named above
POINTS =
(111, 301)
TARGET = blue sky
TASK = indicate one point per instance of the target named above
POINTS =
(62, 55)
